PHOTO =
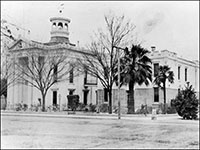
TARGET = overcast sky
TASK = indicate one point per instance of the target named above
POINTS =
(167, 25)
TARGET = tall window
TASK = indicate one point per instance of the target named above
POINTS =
(156, 69)
(179, 90)
(156, 94)
(85, 77)
(90, 79)
(185, 74)
(179, 69)
(71, 75)
(55, 72)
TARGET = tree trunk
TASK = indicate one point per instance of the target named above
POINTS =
(131, 102)
(43, 102)
(110, 101)
(164, 94)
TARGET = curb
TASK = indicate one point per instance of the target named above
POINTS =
(76, 116)
(60, 116)
(84, 115)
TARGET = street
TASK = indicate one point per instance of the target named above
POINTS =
(52, 132)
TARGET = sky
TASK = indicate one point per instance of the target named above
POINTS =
(167, 25)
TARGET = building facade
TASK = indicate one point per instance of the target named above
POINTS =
(185, 71)
(82, 84)
(89, 88)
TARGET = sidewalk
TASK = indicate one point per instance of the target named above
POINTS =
(84, 115)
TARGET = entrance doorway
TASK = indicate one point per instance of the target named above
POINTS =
(54, 97)
(156, 94)
(85, 95)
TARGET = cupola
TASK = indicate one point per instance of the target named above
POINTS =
(59, 29)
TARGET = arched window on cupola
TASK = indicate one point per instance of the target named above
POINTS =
(60, 25)
(66, 26)
(54, 25)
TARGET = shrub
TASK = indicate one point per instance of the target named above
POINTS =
(34, 107)
(49, 108)
(171, 110)
(186, 103)
(142, 110)
(115, 109)
(54, 108)
(73, 101)
(18, 107)
(92, 107)
(103, 108)
(81, 107)
(86, 108)
(149, 109)
(24, 107)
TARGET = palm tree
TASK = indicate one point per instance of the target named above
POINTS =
(136, 68)
(164, 75)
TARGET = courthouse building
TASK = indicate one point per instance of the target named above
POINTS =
(89, 88)
(83, 85)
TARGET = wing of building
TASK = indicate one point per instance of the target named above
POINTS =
(185, 71)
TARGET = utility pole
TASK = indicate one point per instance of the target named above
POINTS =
(59, 102)
(119, 103)
(119, 111)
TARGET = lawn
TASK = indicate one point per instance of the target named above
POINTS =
(43, 132)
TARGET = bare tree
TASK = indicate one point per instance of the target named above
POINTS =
(103, 58)
(6, 39)
(42, 70)
(7, 77)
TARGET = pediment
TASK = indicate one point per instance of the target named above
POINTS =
(19, 44)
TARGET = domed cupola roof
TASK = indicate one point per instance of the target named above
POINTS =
(59, 30)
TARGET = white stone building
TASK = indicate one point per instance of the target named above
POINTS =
(184, 71)
(83, 85)
(89, 88)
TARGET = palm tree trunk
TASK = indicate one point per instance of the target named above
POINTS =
(131, 102)
(164, 92)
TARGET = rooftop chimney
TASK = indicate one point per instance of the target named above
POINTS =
(78, 44)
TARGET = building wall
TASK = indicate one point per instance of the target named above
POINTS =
(116, 95)
(143, 94)
(146, 96)
(27, 94)
(171, 59)
(20, 93)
